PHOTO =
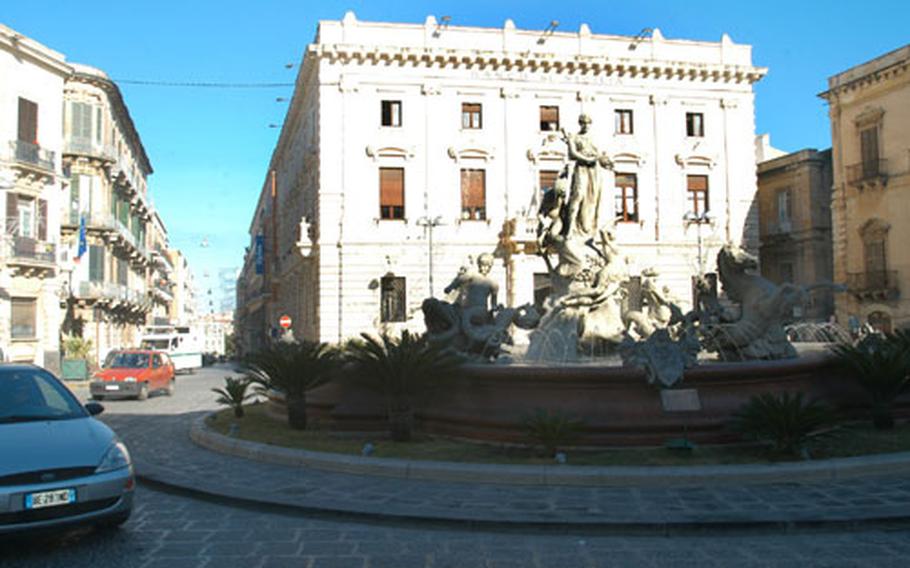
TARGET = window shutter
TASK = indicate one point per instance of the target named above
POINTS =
(28, 121)
(12, 210)
(74, 193)
(96, 263)
(869, 149)
(98, 125)
(697, 183)
(42, 219)
(473, 193)
(391, 187)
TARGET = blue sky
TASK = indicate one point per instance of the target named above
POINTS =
(210, 147)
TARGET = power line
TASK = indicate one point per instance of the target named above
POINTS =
(206, 85)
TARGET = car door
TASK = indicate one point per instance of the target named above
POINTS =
(158, 372)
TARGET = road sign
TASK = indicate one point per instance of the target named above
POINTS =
(285, 321)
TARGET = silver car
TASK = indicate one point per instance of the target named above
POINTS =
(58, 465)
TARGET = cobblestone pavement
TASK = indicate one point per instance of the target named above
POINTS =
(170, 531)
(156, 432)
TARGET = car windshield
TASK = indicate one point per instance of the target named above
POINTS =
(128, 361)
(28, 395)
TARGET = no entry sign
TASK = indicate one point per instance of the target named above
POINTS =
(285, 321)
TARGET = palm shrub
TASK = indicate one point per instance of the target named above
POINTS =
(234, 394)
(881, 366)
(402, 369)
(784, 420)
(294, 369)
(551, 429)
(75, 347)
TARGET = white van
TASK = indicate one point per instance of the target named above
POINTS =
(183, 344)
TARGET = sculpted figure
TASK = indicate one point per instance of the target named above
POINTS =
(584, 198)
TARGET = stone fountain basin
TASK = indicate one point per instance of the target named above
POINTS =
(488, 403)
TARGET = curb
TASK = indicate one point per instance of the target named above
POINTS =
(556, 475)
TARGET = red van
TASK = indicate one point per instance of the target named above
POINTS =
(133, 373)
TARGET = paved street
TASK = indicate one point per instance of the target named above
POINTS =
(176, 531)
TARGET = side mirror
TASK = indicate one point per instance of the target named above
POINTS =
(94, 408)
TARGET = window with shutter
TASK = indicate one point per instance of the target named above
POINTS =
(697, 187)
(695, 124)
(869, 149)
(74, 193)
(98, 125)
(23, 318)
(12, 213)
(393, 300)
(122, 272)
(28, 121)
(391, 193)
(473, 195)
(391, 113)
(623, 121)
(96, 263)
(626, 198)
(42, 220)
(549, 118)
(471, 115)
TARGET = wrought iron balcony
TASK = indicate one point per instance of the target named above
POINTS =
(868, 174)
(29, 256)
(32, 154)
(874, 285)
(88, 147)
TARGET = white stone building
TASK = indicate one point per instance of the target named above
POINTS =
(408, 150)
(31, 99)
(216, 329)
(183, 308)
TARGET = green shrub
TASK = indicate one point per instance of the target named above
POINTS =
(401, 369)
(234, 394)
(294, 369)
(881, 366)
(784, 420)
(551, 429)
(77, 347)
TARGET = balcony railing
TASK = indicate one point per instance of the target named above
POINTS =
(112, 292)
(89, 147)
(32, 154)
(878, 284)
(30, 251)
(869, 172)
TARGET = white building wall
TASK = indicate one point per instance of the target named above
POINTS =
(361, 64)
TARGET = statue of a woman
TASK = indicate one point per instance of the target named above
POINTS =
(584, 200)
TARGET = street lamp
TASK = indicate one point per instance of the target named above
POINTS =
(699, 219)
(429, 225)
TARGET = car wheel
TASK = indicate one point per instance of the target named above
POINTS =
(97, 397)
(171, 387)
(113, 523)
(143, 392)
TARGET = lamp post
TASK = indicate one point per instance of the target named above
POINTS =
(429, 225)
(699, 219)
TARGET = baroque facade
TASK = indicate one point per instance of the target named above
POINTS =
(409, 150)
(794, 203)
(31, 181)
(869, 108)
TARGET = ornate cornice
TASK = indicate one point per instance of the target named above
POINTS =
(565, 64)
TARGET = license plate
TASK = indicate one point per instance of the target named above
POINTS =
(111, 387)
(50, 498)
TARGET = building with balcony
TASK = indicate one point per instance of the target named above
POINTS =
(794, 204)
(217, 329)
(869, 108)
(106, 199)
(161, 273)
(184, 307)
(410, 149)
(31, 180)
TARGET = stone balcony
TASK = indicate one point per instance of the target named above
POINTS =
(29, 257)
(870, 174)
(874, 285)
(90, 148)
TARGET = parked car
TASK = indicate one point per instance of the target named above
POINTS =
(58, 465)
(133, 373)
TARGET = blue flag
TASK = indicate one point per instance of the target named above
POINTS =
(83, 245)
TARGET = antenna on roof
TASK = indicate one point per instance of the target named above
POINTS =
(548, 31)
(645, 32)
(442, 25)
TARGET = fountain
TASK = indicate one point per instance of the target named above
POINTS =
(594, 354)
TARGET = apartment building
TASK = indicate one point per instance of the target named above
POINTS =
(869, 108)
(794, 202)
(410, 149)
(161, 273)
(183, 309)
(31, 177)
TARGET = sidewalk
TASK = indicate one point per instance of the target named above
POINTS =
(165, 454)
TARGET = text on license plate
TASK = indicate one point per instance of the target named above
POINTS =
(112, 387)
(50, 498)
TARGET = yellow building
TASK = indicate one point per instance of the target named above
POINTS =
(870, 115)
